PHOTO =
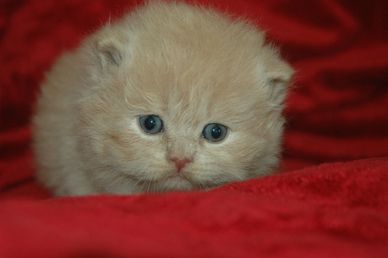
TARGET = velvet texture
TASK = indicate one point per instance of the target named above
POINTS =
(337, 114)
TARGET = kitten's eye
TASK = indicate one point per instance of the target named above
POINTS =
(214, 132)
(151, 124)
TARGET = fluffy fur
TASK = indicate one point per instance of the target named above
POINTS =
(189, 65)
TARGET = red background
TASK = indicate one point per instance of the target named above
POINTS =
(337, 113)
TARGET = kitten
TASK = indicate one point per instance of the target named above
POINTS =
(171, 97)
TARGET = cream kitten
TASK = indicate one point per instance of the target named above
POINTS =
(171, 97)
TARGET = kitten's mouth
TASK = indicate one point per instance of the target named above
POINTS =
(178, 175)
(177, 178)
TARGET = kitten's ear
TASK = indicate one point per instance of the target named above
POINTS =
(279, 75)
(109, 53)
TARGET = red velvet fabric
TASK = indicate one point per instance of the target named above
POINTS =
(337, 114)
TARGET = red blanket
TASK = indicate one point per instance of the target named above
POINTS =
(337, 114)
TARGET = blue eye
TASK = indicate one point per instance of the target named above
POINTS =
(214, 132)
(151, 124)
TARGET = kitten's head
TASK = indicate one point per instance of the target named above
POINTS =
(184, 98)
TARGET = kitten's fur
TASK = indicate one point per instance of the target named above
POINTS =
(190, 66)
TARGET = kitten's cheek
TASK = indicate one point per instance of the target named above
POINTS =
(89, 146)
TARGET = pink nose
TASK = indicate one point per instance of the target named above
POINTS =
(180, 163)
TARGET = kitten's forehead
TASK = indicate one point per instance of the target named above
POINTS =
(197, 95)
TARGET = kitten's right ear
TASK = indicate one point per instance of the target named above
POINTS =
(278, 73)
(109, 53)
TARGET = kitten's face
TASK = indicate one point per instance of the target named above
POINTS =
(175, 118)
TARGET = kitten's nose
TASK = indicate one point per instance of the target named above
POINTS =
(180, 163)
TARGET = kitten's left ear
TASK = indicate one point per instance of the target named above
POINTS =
(109, 53)
(279, 75)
